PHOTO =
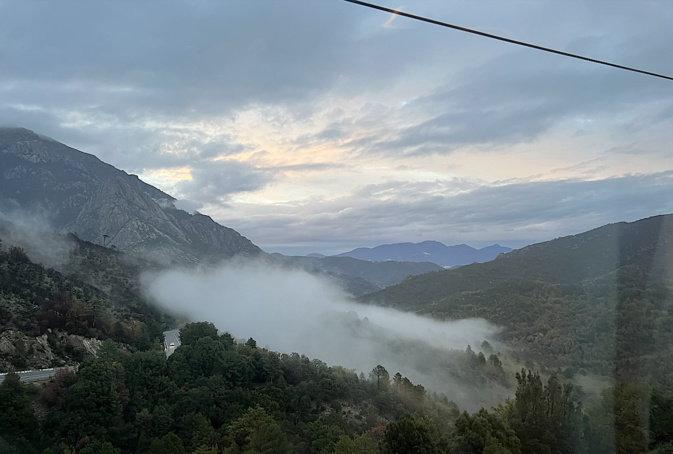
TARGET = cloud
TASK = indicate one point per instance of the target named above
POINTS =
(182, 63)
(216, 181)
(293, 311)
(32, 231)
(514, 99)
(207, 56)
(460, 211)
(521, 95)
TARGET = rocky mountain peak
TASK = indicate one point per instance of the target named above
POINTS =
(104, 205)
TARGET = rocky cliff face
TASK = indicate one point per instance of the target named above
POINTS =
(102, 204)
(19, 351)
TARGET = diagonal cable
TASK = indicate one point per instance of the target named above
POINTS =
(507, 40)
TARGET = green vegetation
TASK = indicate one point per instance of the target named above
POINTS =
(599, 302)
(215, 396)
(37, 301)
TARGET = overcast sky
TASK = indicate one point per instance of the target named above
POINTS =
(321, 125)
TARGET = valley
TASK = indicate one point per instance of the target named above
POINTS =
(339, 351)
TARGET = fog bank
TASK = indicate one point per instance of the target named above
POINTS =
(32, 232)
(293, 311)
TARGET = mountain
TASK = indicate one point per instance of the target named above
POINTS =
(568, 260)
(50, 319)
(428, 251)
(600, 300)
(102, 204)
(358, 277)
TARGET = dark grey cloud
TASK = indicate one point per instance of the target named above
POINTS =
(80, 72)
(515, 99)
(213, 182)
(183, 55)
(131, 70)
(519, 95)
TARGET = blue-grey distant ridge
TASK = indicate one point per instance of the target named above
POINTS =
(428, 251)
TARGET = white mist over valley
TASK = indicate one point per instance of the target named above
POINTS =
(293, 311)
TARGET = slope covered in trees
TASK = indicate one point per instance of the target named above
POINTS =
(214, 395)
(599, 301)
(647, 243)
(45, 315)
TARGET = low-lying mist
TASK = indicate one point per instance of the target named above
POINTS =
(293, 311)
(32, 232)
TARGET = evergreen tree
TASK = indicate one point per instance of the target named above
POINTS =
(380, 375)
(362, 444)
(168, 444)
(410, 434)
(546, 418)
(192, 332)
(484, 432)
(16, 413)
(257, 433)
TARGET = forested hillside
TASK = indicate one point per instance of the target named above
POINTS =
(214, 395)
(599, 301)
(49, 318)
(569, 260)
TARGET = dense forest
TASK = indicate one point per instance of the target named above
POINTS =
(214, 395)
(618, 325)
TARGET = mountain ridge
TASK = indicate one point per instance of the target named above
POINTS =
(604, 249)
(85, 195)
(427, 251)
(600, 300)
(358, 277)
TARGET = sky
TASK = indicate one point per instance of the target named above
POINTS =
(322, 126)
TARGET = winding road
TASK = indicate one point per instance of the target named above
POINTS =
(171, 342)
(171, 338)
(28, 376)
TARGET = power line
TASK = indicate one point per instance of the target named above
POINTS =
(507, 40)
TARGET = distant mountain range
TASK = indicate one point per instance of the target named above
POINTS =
(599, 301)
(428, 251)
(356, 276)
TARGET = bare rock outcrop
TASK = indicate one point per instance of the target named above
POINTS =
(19, 351)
